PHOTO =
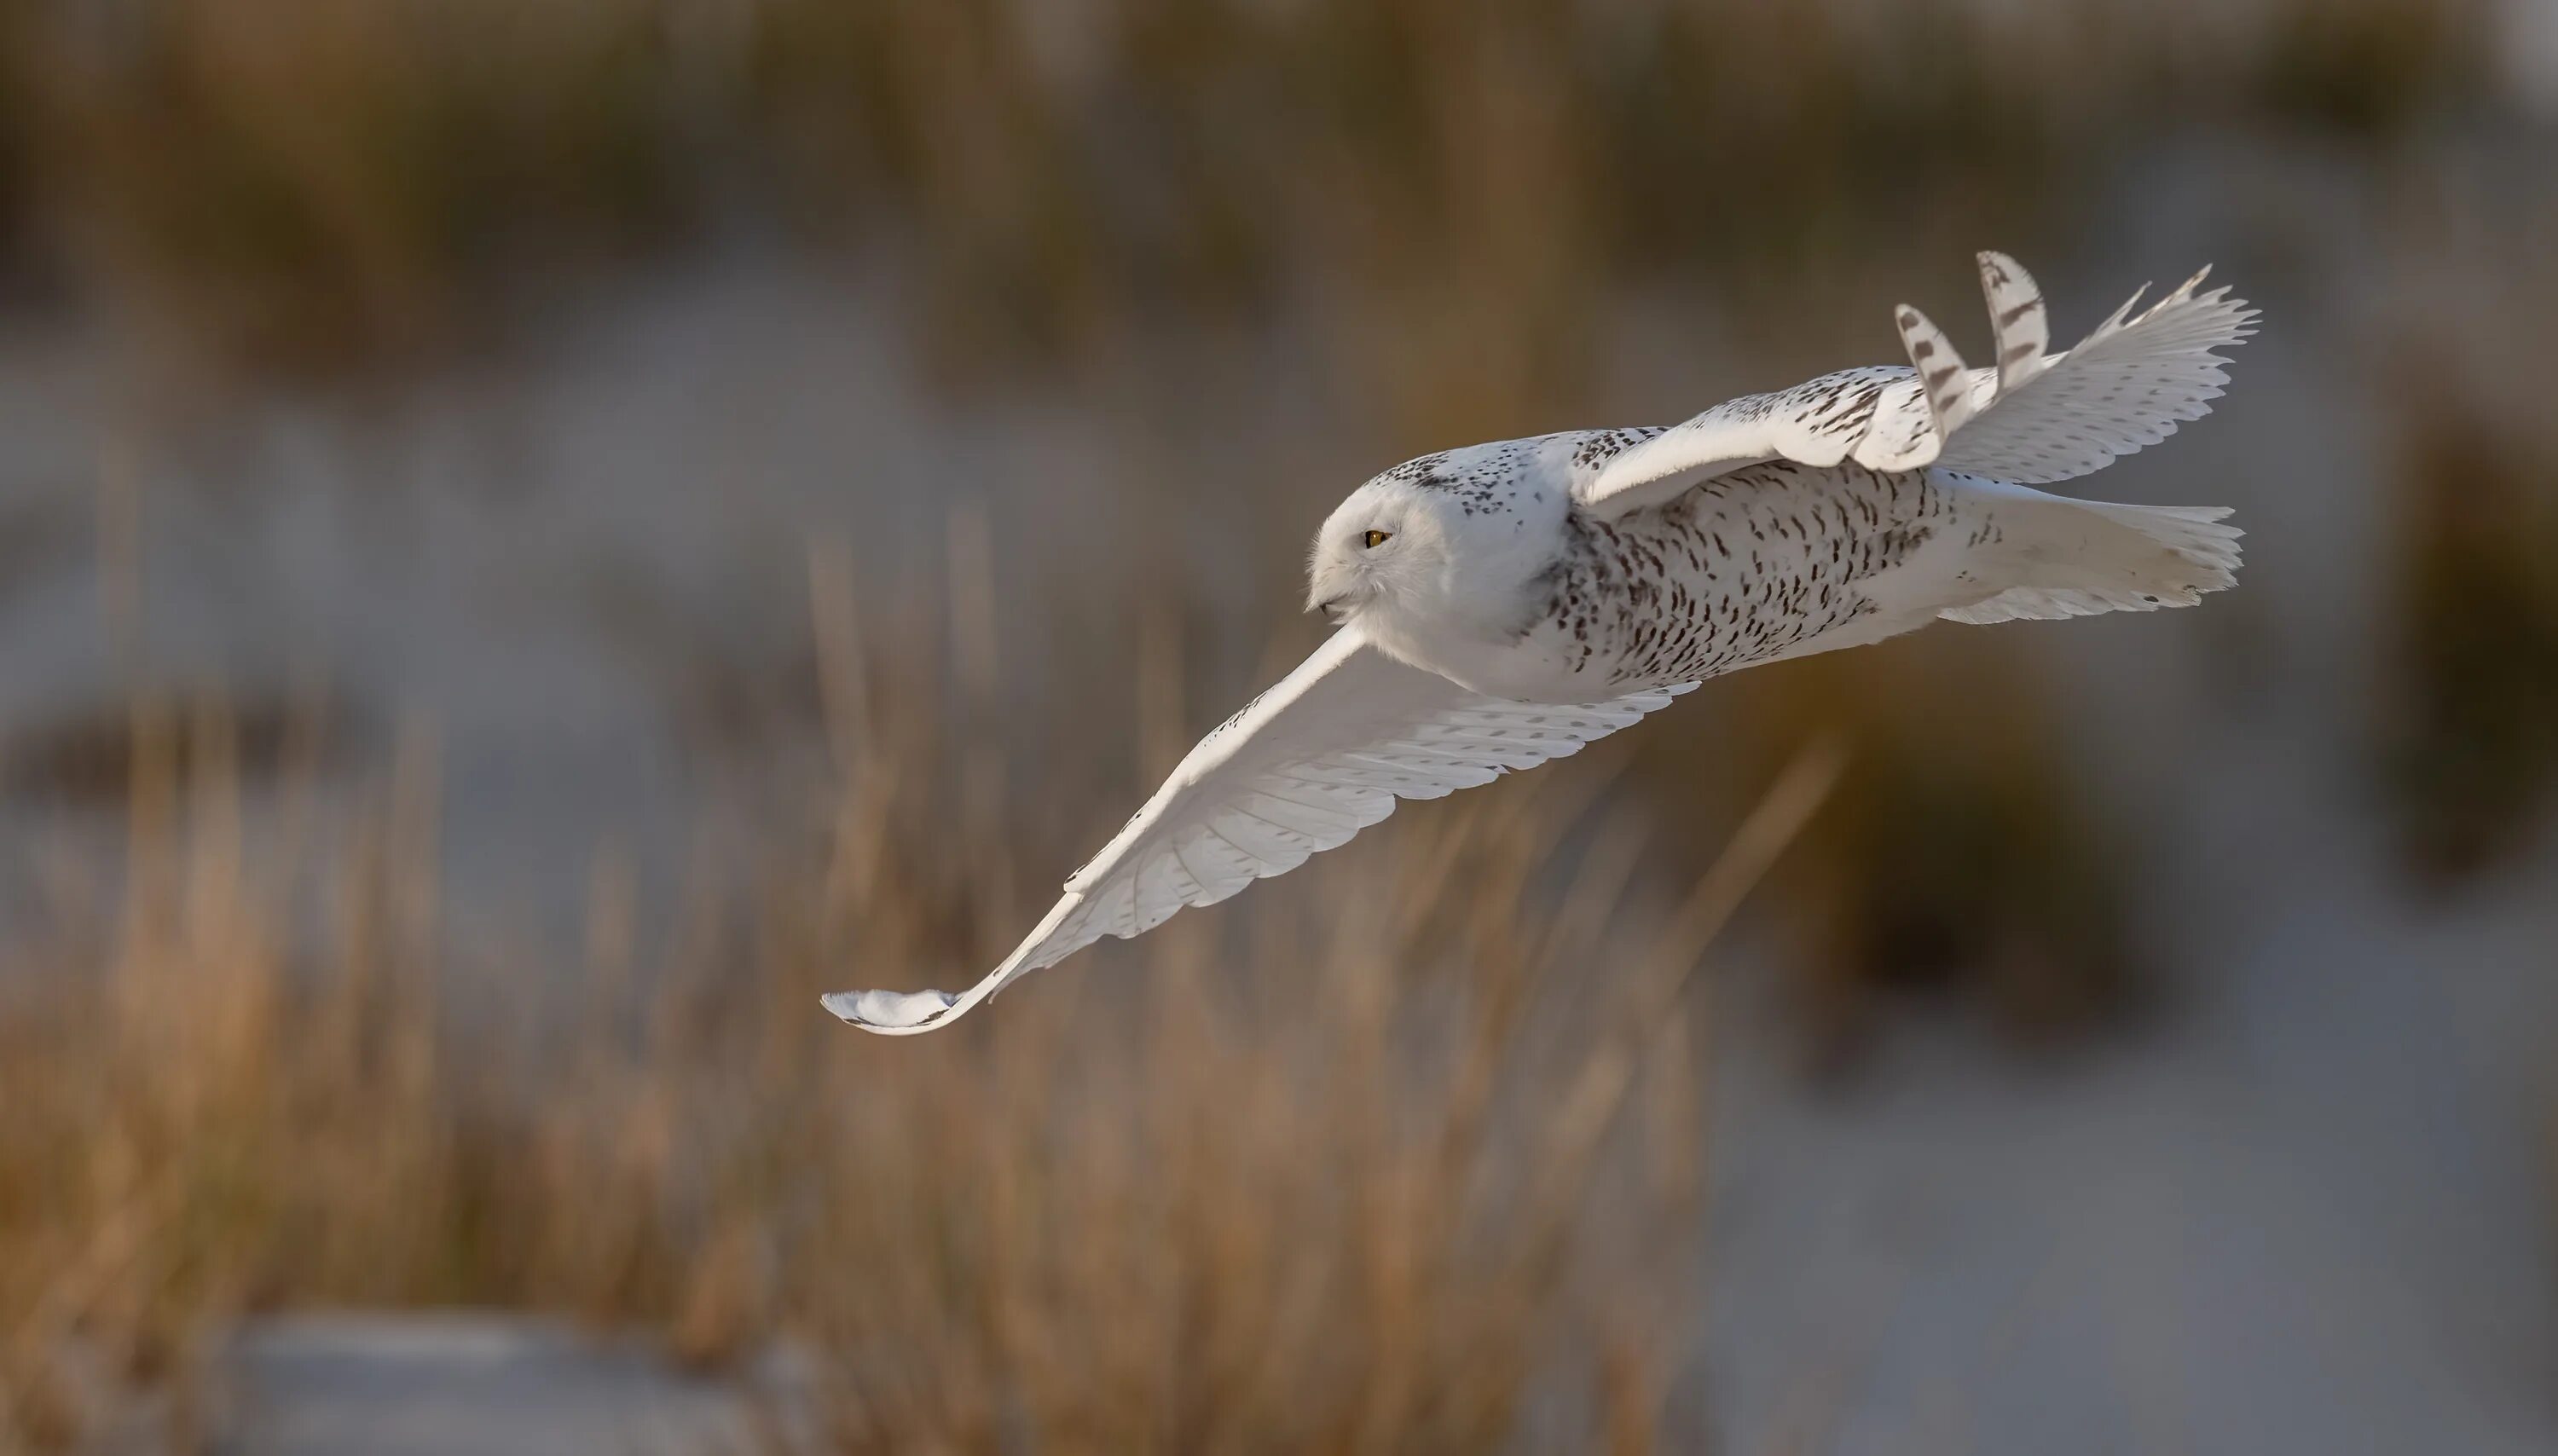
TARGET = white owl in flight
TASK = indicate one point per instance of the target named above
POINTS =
(1505, 603)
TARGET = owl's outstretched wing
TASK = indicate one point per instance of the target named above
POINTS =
(2033, 417)
(1319, 756)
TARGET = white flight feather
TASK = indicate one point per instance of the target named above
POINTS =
(1322, 755)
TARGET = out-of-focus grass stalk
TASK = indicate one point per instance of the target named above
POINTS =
(1402, 1154)
(304, 182)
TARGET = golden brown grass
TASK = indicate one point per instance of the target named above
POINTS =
(1402, 1155)
(296, 181)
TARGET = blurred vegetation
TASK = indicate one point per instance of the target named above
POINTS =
(2467, 722)
(1421, 1176)
(303, 183)
(2472, 737)
(1963, 860)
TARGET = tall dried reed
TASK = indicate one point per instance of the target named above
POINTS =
(1402, 1154)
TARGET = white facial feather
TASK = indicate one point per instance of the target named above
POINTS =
(1467, 535)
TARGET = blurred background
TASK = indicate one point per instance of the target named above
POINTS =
(536, 537)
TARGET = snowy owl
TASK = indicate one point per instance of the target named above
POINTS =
(1505, 603)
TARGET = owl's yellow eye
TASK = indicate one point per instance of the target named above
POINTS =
(1376, 539)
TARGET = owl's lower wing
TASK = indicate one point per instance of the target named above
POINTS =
(2033, 417)
(1323, 754)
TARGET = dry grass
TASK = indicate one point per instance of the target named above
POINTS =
(1403, 1156)
(302, 181)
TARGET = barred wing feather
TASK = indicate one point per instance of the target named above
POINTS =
(2127, 386)
(2033, 417)
(1319, 756)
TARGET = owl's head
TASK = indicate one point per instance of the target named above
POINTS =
(1452, 538)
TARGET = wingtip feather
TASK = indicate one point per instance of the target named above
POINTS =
(890, 1012)
(2149, 369)
(2020, 324)
(1941, 372)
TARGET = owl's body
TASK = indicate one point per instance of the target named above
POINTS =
(1505, 604)
(1772, 561)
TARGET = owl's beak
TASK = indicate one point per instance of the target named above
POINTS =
(1336, 588)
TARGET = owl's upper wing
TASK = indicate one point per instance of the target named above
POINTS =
(1323, 754)
(2127, 385)
(2034, 417)
(1820, 422)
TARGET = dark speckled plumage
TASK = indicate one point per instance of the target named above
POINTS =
(1742, 568)
(1487, 480)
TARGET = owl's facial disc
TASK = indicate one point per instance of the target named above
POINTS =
(1372, 542)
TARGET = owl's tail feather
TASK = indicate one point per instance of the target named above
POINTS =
(2078, 558)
